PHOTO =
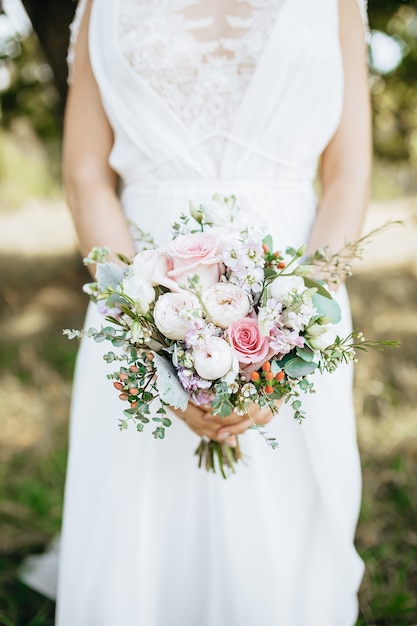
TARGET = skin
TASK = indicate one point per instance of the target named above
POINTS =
(91, 184)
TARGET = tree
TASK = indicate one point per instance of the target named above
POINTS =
(50, 20)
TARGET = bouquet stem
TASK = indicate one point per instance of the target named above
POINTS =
(212, 454)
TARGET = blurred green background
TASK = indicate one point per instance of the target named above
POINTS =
(41, 275)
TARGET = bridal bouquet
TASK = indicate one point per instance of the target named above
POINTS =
(217, 317)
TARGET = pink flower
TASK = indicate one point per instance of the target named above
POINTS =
(151, 266)
(195, 253)
(247, 341)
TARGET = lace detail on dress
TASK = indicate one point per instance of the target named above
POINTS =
(199, 56)
(363, 8)
(74, 28)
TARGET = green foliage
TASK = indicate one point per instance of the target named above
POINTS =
(394, 95)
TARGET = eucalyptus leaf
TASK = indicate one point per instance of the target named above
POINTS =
(169, 387)
(296, 367)
(305, 353)
(327, 307)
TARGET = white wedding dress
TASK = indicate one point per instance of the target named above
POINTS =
(148, 539)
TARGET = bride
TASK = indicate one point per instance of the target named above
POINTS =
(171, 101)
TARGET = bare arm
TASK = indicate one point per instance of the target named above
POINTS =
(89, 181)
(346, 162)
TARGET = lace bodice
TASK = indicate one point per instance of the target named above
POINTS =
(198, 59)
(198, 56)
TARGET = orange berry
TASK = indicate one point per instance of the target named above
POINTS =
(124, 396)
(134, 391)
(281, 265)
(134, 369)
(149, 356)
(266, 366)
(265, 248)
(269, 376)
(118, 386)
(277, 254)
(269, 389)
(123, 376)
(280, 375)
(134, 405)
(254, 376)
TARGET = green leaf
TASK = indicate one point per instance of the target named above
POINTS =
(166, 422)
(222, 406)
(296, 367)
(169, 387)
(109, 275)
(327, 307)
(313, 284)
(269, 272)
(139, 427)
(267, 241)
(305, 353)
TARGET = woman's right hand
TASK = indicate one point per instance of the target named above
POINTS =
(222, 429)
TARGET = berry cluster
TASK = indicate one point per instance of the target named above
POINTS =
(265, 380)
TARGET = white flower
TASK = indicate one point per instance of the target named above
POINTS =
(320, 336)
(141, 292)
(214, 360)
(171, 313)
(225, 303)
(283, 285)
(222, 210)
(299, 318)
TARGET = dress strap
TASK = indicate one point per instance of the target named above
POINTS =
(74, 30)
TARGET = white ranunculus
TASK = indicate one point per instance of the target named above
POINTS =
(283, 285)
(214, 360)
(171, 313)
(225, 303)
(140, 291)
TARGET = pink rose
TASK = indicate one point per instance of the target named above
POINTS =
(151, 266)
(195, 253)
(247, 341)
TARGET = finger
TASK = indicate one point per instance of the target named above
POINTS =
(237, 429)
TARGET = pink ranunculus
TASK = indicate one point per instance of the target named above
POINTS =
(195, 253)
(247, 341)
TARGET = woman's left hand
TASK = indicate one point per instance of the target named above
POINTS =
(256, 415)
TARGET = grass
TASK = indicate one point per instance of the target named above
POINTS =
(36, 365)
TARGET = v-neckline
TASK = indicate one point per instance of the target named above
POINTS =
(176, 119)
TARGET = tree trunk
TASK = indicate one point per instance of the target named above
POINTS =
(50, 20)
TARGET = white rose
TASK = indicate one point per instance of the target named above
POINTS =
(214, 360)
(283, 285)
(170, 313)
(141, 292)
(225, 303)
